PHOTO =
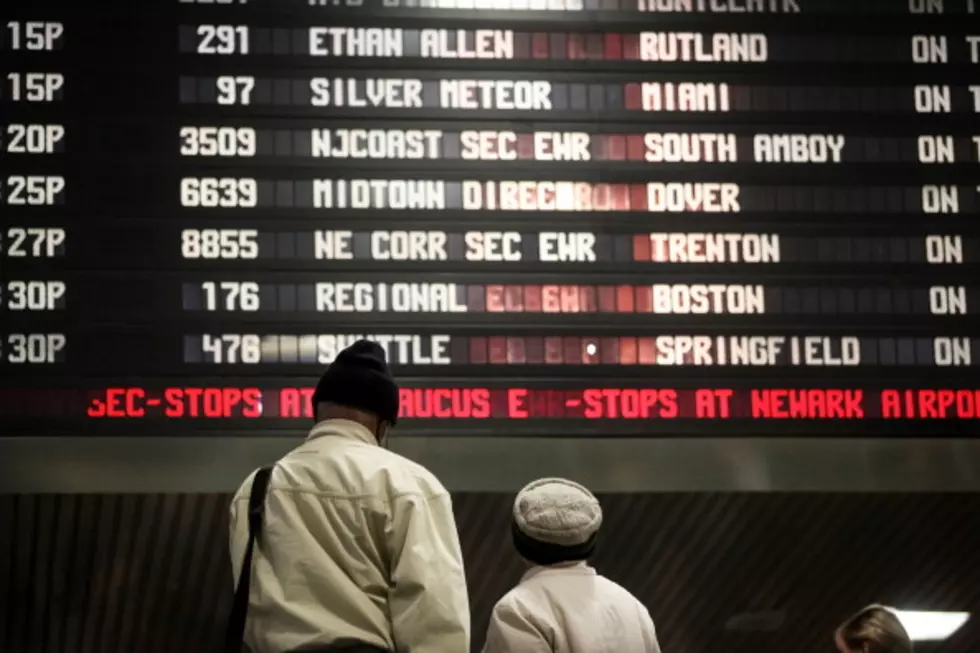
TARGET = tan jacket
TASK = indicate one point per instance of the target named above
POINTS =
(569, 609)
(358, 542)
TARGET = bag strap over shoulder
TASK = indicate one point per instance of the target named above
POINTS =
(235, 632)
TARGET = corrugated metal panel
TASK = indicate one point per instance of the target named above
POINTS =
(149, 573)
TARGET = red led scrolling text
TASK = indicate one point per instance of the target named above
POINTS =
(526, 403)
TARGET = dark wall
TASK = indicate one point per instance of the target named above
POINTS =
(150, 573)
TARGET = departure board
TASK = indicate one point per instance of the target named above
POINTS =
(597, 218)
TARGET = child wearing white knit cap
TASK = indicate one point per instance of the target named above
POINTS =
(561, 605)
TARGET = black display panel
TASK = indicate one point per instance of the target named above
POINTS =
(646, 218)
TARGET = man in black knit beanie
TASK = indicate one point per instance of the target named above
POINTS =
(358, 550)
(358, 386)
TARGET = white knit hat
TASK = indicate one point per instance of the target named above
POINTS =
(556, 520)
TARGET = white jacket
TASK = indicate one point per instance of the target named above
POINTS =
(569, 609)
(358, 542)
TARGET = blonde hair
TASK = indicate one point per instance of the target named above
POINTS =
(875, 629)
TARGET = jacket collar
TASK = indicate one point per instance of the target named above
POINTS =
(580, 568)
(343, 428)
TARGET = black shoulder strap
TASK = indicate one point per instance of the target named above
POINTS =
(235, 632)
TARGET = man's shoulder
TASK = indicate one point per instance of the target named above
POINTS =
(245, 489)
(356, 469)
(616, 590)
(520, 599)
(408, 476)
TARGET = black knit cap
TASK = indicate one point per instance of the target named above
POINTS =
(359, 378)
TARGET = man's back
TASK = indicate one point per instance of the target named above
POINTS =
(358, 544)
(570, 609)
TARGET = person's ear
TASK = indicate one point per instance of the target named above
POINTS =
(382, 433)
